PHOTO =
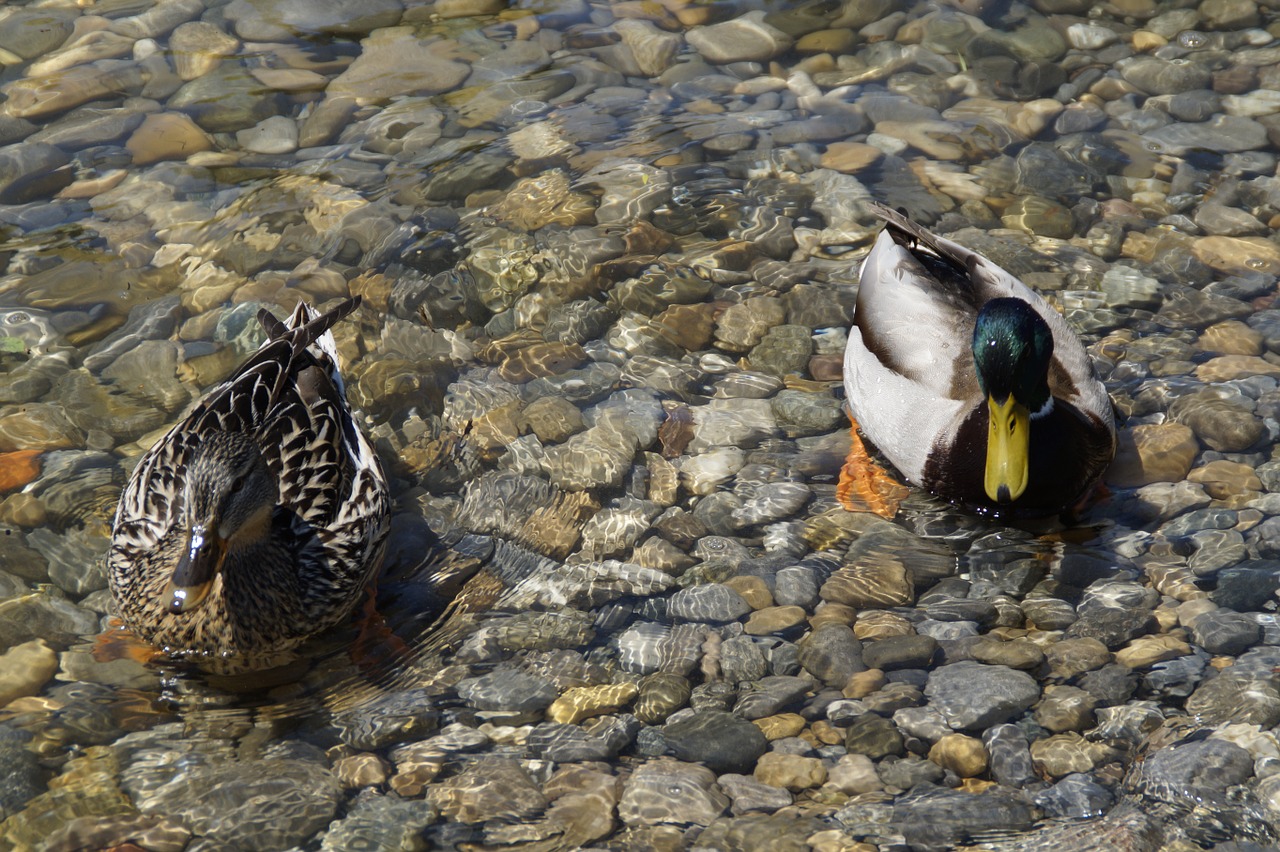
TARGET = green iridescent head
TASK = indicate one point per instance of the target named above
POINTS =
(1012, 350)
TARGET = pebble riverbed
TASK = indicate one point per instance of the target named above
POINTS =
(608, 253)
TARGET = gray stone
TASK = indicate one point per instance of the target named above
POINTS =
(973, 696)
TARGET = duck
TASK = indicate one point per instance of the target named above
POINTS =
(969, 382)
(261, 516)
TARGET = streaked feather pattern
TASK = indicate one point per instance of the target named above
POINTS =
(328, 526)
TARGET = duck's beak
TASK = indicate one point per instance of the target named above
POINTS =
(193, 576)
(1008, 444)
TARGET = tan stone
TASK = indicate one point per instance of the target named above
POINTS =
(25, 669)
(965, 756)
(780, 726)
(878, 624)
(416, 767)
(1156, 452)
(754, 590)
(166, 136)
(1146, 651)
(1145, 41)
(939, 139)
(832, 613)
(363, 769)
(774, 619)
(864, 683)
(887, 584)
(827, 733)
(1063, 754)
(583, 702)
(1222, 478)
(1239, 254)
(290, 79)
(1231, 337)
(790, 771)
(827, 41)
(1224, 368)
(850, 157)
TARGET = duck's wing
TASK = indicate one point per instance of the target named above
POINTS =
(908, 365)
(1072, 376)
(261, 397)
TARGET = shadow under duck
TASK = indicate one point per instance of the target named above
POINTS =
(969, 382)
(258, 520)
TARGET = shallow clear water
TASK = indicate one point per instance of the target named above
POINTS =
(608, 253)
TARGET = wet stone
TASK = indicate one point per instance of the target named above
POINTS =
(255, 804)
(1111, 626)
(1248, 586)
(1153, 453)
(1223, 133)
(801, 413)
(873, 736)
(774, 619)
(966, 756)
(517, 692)
(488, 789)
(1243, 699)
(745, 39)
(31, 170)
(387, 719)
(712, 602)
(41, 616)
(1065, 708)
(670, 792)
(784, 350)
(790, 771)
(274, 20)
(25, 668)
(870, 587)
(722, 741)
(660, 695)
(1221, 424)
(379, 822)
(900, 652)
(749, 794)
(597, 739)
(972, 695)
(770, 696)
(1016, 654)
(1225, 632)
(796, 586)
(832, 654)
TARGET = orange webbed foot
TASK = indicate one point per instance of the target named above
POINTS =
(864, 485)
(118, 642)
(376, 646)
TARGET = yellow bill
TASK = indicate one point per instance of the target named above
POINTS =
(1008, 448)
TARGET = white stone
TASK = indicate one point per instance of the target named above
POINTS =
(1090, 37)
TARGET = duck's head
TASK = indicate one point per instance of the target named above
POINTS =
(1012, 349)
(228, 501)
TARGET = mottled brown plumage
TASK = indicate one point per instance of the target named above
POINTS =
(257, 521)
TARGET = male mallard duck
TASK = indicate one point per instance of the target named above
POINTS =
(258, 520)
(969, 382)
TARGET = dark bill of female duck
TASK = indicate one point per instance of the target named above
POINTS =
(228, 501)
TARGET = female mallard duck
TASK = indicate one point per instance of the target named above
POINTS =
(258, 520)
(970, 383)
